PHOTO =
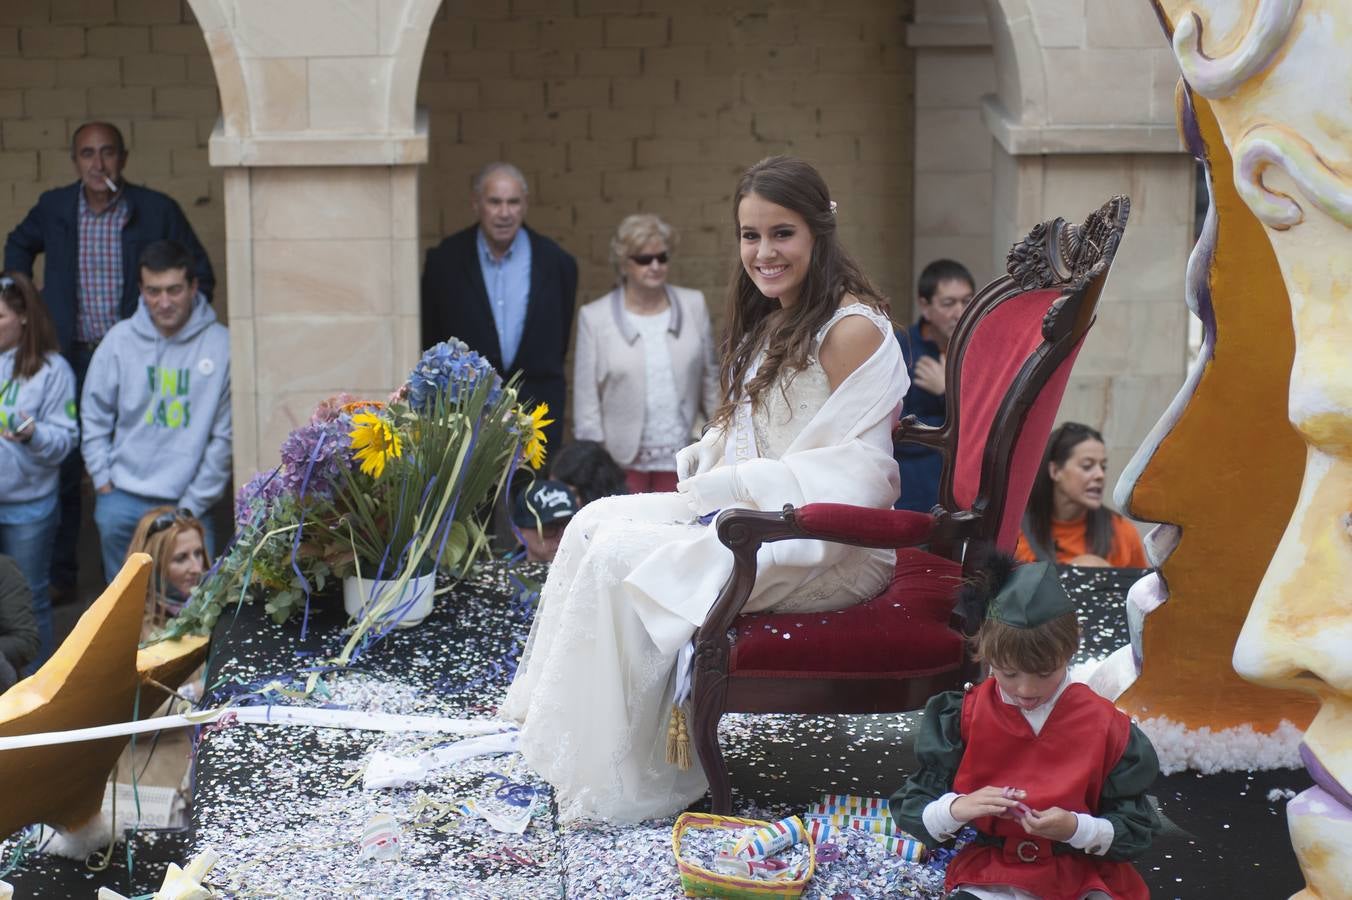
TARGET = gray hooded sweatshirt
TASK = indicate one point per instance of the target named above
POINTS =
(155, 412)
(49, 397)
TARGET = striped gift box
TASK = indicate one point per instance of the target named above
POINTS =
(875, 826)
(822, 832)
(773, 838)
(903, 845)
(850, 805)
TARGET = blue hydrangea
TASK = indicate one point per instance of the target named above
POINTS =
(452, 367)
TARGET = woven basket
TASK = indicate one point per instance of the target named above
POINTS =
(701, 882)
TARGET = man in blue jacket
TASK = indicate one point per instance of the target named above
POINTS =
(93, 232)
(507, 291)
(944, 289)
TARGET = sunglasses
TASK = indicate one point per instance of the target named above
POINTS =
(647, 259)
(164, 520)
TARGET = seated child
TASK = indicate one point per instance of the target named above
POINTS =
(1051, 775)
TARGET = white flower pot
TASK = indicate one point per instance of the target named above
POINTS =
(409, 608)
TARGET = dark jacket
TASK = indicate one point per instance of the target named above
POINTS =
(51, 227)
(18, 630)
(455, 304)
(920, 467)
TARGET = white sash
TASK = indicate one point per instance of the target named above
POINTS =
(741, 443)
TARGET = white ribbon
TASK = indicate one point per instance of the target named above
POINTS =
(264, 715)
(388, 770)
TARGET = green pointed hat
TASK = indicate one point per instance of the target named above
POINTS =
(1031, 597)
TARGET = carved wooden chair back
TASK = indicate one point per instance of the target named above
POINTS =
(1006, 375)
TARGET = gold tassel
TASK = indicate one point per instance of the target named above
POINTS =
(678, 740)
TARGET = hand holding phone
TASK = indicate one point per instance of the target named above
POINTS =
(23, 431)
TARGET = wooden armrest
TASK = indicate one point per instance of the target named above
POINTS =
(864, 526)
(745, 531)
(911, 430)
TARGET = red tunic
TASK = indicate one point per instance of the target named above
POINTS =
(1066, 765)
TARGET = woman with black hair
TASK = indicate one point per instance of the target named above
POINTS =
(1067, 521)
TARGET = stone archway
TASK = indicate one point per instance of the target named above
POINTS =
(320, 143)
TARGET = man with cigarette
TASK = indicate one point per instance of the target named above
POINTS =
(92, 233)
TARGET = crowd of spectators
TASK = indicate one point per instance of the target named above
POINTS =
(120, 369)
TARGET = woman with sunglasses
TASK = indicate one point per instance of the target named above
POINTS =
(178, 552)
(643, 369)
(1066, 520)
(38, 429)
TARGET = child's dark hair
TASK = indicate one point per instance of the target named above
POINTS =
(1039, 650)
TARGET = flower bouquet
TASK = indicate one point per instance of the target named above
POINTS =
(389, 492)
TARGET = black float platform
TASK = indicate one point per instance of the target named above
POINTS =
(1223, 837)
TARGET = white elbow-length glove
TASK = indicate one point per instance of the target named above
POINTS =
(700, 456)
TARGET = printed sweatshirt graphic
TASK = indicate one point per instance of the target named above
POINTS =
(156, 411)
(31, 469)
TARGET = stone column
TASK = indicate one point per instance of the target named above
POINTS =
(320, 146)
(1084, 109)
(954, 69)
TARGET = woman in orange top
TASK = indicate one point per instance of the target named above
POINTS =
(1066, 520)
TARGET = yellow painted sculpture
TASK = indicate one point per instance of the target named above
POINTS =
(1198, 470)
(90, 680)
(1276, 73)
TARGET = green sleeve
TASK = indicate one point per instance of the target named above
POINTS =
(938, 749)
(1124, 801)
(18, 629)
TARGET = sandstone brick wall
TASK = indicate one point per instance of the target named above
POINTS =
(617, 106)
(141, 64)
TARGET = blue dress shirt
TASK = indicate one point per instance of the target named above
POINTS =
(508, 284)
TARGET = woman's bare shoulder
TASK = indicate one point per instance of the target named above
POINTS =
(847, 344)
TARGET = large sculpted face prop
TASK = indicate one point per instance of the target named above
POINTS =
(1262, 65)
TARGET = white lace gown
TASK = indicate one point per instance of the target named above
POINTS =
(635, 575)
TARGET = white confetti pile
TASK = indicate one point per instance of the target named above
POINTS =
(1238, 749)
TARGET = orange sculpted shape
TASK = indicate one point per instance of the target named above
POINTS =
(1227, 472)
(90, 680)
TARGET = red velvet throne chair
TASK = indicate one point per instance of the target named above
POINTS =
(1006, 371)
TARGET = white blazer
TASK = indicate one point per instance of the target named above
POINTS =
(609, 384)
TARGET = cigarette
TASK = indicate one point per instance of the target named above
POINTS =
(24, 424)
(112, 185)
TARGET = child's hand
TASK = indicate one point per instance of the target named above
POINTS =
(1053, 823)
(989, 801)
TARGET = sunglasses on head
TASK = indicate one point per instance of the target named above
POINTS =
(164, 520)
(647, 259)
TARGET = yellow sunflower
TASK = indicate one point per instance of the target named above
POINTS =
(375, 441)
(535, 440)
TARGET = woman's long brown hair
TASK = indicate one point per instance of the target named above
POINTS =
(39, 337)
(795, 185)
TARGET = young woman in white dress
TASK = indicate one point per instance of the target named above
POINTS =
(812, 383)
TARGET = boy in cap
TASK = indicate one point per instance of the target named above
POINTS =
(1058, 803)
(541, 512)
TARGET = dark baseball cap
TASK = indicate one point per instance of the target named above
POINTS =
(546, 502)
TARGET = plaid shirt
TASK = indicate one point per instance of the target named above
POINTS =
(99, 286)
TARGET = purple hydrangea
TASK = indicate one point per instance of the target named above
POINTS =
(255, 498)
(452, 367)
(319, 449)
